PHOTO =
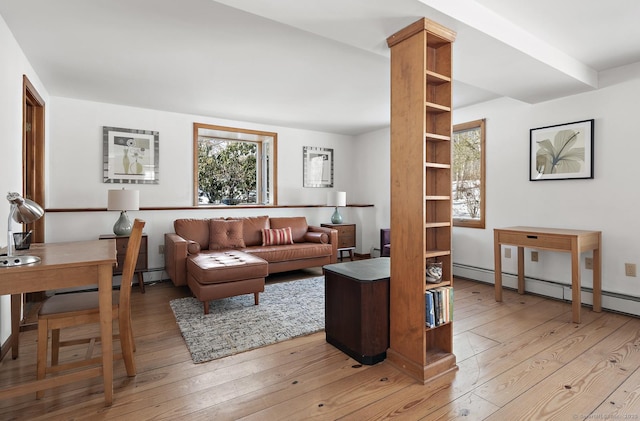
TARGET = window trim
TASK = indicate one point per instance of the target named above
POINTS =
(475, 223)
(240, 131)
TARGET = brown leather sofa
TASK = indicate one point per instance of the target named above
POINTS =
(221, 257)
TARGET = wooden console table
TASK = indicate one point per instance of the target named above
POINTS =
(563, 240)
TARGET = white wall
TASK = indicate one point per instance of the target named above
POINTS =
(608, 203)
(13, 65)
(371, 173)
(75, 172)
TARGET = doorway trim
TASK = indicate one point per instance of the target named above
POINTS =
(33, 151)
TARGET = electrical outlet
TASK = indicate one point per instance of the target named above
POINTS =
(161, 249)
(588, 263)
(507, 253)
(534, 256)
(630, 269)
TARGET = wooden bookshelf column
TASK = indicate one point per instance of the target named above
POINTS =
(420, 194)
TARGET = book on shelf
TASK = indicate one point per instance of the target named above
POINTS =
(430, 319)
(438, 306)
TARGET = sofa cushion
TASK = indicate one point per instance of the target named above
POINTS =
(225, 234)
(289, 252)
(226, 266)
(298, 226)
(193, 229)
(276, 236)
(252, 227)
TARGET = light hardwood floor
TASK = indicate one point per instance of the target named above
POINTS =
(519, 359)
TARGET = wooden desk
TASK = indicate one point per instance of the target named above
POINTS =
(64, 265)
(564, 240)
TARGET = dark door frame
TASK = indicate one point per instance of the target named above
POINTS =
(33, 157)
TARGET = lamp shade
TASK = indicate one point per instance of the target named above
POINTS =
(26, 210)
(123, 200)
(337, 198)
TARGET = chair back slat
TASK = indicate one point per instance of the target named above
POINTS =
(129, 266)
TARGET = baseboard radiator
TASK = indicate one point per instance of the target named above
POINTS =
(611, 301)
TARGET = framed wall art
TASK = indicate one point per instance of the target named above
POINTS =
(317, 167)
(561, 152)
(130, 156)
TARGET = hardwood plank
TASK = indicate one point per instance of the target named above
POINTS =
(623, 404)
(582, 385)
(467, 407)
(512, 383)
(338, 398)
(514, 360)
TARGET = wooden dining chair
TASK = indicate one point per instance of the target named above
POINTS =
(80, 308)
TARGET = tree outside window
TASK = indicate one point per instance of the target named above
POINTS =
(233, 166)
(469, 174)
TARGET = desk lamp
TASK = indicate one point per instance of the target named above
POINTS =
(123, 200)
(338, 198)
(23, 211)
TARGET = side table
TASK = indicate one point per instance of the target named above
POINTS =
(142, 264)
(357, 308)
(346, 238)
(555, 239)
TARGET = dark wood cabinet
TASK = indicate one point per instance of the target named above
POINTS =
(346, 238)
(142, 264)
(357, 308)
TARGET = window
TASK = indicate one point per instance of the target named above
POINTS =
(234, 166)
(469, 174)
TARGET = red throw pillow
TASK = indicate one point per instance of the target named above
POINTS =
(276, 236)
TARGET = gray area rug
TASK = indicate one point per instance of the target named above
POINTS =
(286, 310)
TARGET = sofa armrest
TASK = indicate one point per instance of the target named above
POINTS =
(175, 258)
(333, 239)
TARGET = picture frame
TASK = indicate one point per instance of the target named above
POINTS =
(130, 156)
(317, 167)
(562, 151)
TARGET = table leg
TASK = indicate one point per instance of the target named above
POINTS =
(576, 299)
(597, 277)
(106, 329)
(141, 282)
(520, 270)
(16, 301)
(497, 258)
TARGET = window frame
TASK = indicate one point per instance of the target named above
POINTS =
(242, 135)
(471, 125)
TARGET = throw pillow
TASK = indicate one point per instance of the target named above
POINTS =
(316, 237)
(276, 237)
(225, 234)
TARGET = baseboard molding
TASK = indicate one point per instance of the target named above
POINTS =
(611, 301)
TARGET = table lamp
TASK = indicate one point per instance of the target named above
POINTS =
(23, 211)
(337, 198)
(123, 200)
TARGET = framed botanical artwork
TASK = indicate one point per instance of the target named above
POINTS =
(317, 167)
(561, 152)
(130, 156)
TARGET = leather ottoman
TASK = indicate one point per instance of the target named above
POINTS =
(223, 274)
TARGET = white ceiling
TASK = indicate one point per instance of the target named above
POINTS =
(312, 64)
